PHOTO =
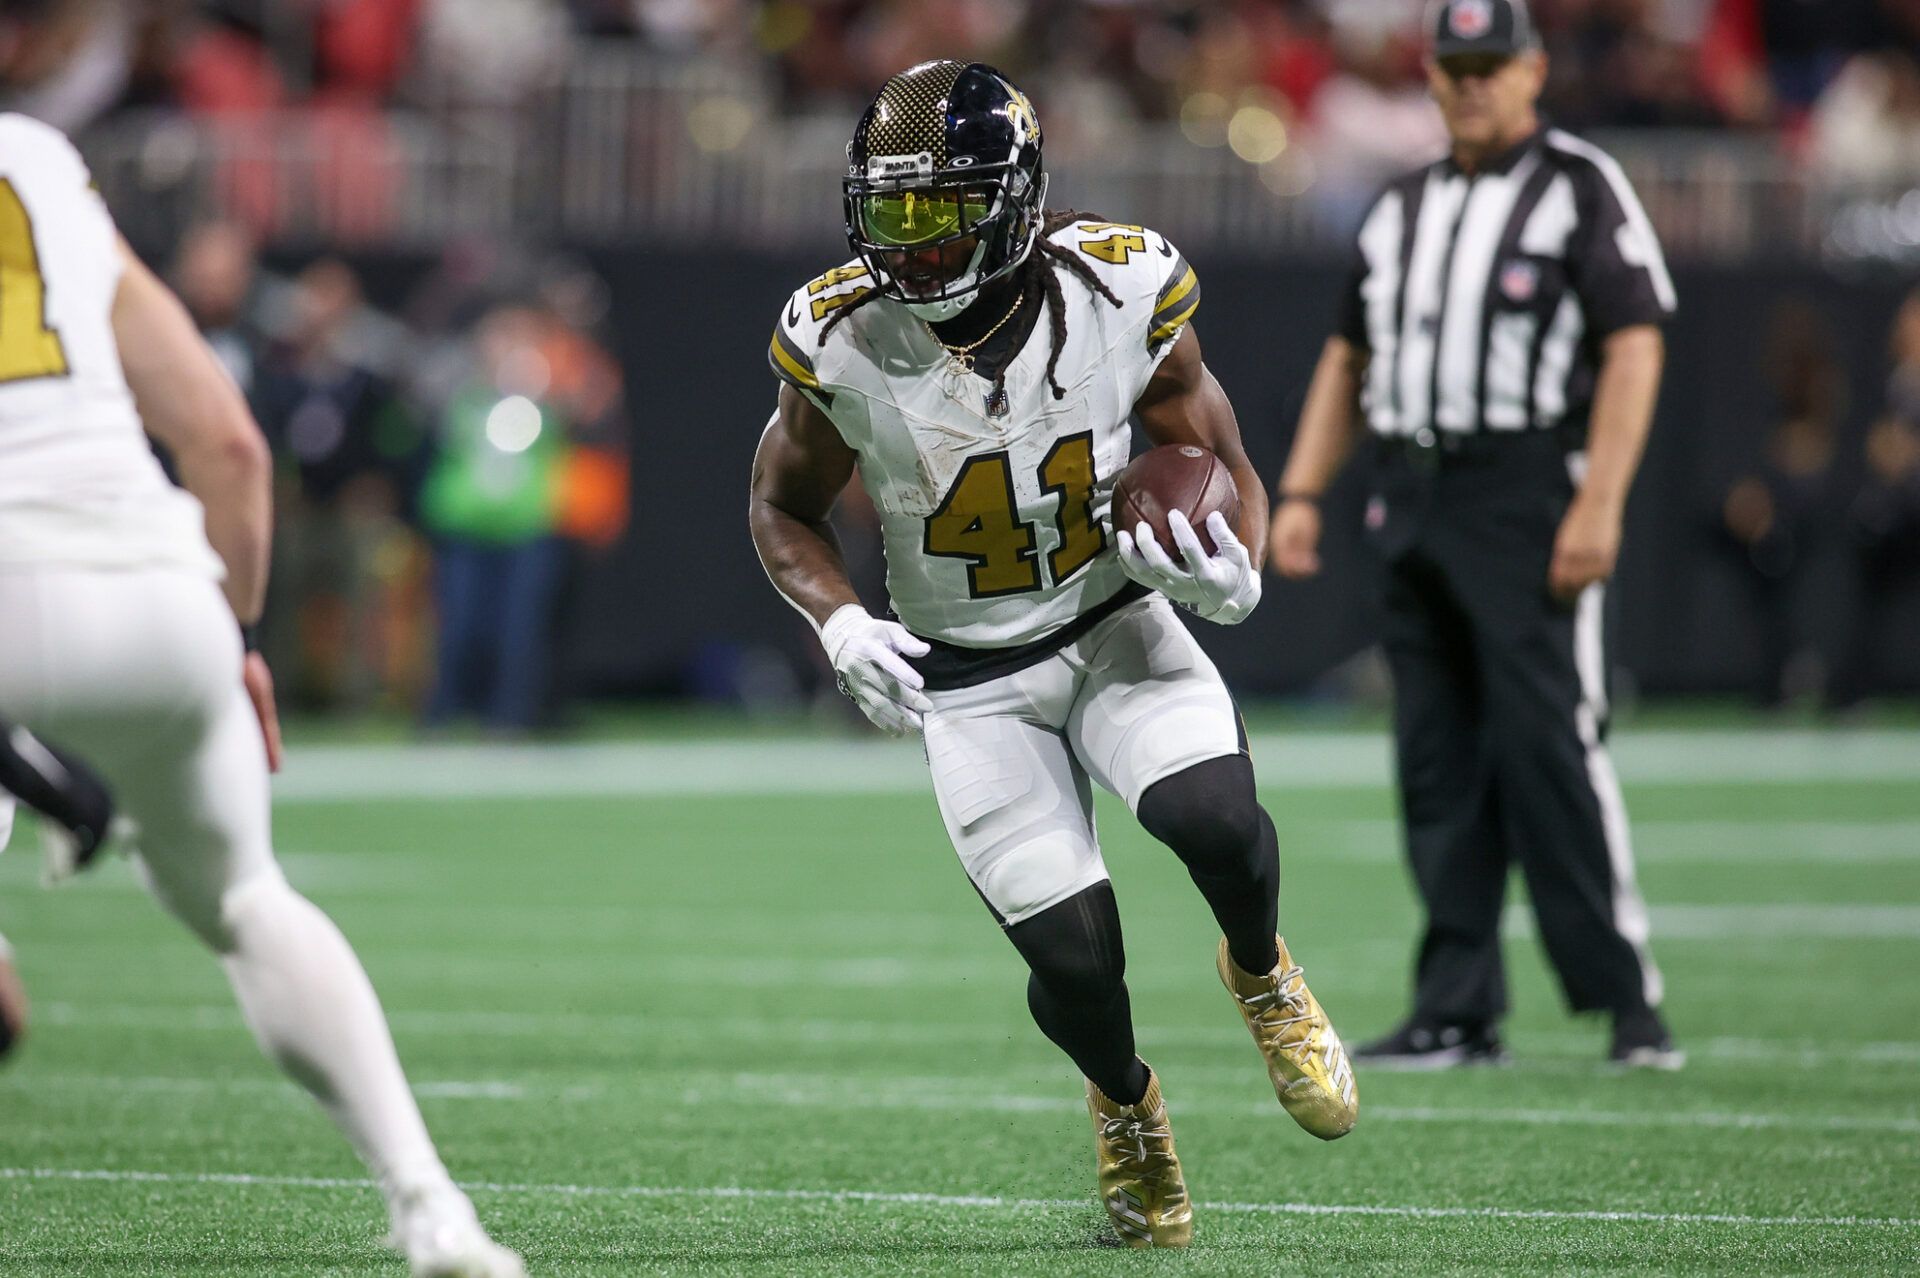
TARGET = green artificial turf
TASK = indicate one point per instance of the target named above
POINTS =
(776, 1033)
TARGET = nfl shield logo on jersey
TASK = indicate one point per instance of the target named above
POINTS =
(1519, 279)
(1470, 19)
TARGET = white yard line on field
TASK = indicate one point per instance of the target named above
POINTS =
(940, 1094)
(1310, 760)
(1669, 841)
(870, 1197)
(1774, 1053)
(1765, 924)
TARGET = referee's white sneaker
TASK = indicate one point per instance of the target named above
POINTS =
(439, 1234)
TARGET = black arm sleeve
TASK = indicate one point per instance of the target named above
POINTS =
(1614, 259)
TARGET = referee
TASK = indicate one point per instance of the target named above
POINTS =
(1502, 334)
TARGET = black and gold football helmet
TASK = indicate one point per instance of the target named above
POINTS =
(947, 151)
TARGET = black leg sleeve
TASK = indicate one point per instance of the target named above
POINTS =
(56, 785)
(1078, 991)
(1209, 815)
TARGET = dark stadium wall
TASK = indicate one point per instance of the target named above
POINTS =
(681, 605)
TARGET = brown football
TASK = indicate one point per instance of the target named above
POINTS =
(1182, 477)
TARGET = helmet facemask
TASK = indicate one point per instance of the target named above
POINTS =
(904, 205)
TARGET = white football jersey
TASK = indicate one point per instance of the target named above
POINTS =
(994, 524)
(78, 483)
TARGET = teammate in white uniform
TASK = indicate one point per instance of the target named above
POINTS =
(978, 364)
(116, 640)
(78, 822)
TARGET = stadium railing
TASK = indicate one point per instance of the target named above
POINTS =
(623, 146)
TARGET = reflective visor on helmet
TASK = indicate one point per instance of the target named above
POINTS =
(909, 219)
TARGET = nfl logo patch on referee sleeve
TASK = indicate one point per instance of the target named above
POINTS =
(1519, 279)
(1470, 19)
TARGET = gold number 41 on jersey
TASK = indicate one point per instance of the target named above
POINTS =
(823, 306)
(28, 348)
(1116, 248)
(978, 521)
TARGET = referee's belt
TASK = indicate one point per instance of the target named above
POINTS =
(1431, 448)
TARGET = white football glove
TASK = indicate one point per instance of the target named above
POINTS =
(868, 661)
(1222, 587)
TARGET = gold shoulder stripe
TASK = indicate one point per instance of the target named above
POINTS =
(1184, 281)
(790, 363)
(1174, 322)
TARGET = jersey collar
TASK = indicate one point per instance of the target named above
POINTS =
(1499, 165)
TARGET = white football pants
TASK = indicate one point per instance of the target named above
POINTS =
(138, 672)
(1132, 701)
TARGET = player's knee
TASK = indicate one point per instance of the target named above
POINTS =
(220, 917)
(1035, 872)
(1207, 813)
(1075, 983)
(1074, 952)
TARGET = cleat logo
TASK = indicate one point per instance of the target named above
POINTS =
(1128, 1212)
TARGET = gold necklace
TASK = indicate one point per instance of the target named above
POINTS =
(961, 357)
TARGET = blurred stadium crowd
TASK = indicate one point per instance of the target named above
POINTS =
(449, 462)
(440, 472)
(1803, 516)
(1839, 80)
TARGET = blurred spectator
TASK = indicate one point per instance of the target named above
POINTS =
(490, 503)
(1779, 518)
(1375, 120)
(492, 51)
(1866, 128)
(66, 61)
(1885, 518)
(1768, 61)
(588, 388)
(216, 273)
(1615, 65)
(592, 491)
(324, 393)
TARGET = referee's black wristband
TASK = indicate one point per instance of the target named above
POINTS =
(250, 636)
(1311, 499)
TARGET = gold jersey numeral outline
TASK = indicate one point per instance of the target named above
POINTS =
(825, 306)
(1068, 470)
(29, 346)
(978, 521)
(1117, 248)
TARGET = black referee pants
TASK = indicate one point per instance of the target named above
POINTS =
(1499, 722)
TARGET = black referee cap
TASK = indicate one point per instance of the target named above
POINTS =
(1482, 26)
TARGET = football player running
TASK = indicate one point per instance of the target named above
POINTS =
(978, 363)
(116, 640)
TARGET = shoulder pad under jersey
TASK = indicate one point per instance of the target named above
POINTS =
(1149, 276)
(795, 349)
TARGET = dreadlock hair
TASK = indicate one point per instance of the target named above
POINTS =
(1039, 274)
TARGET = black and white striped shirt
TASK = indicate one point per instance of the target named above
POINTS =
(1481, 299)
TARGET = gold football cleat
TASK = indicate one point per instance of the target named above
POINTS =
(1141, 1184)
(1305, 1058)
